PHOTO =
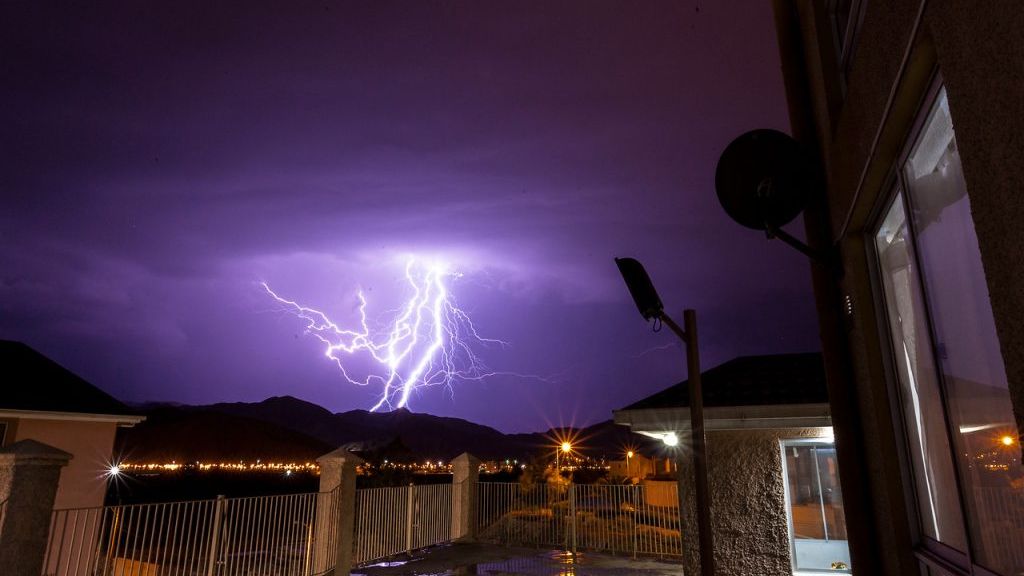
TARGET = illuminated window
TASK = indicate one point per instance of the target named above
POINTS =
(962, 439)
(814, 506)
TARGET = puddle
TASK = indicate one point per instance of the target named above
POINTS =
(465, 560)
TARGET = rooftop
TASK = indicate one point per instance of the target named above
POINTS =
(36, 383)
(751, 381)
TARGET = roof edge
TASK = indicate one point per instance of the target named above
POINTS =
(120, 419)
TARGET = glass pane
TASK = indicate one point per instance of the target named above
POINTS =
(816, 508)
(980, 413)
(928, 443)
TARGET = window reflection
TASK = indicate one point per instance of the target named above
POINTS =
(950, 368)
(980, 413)
(935, 480)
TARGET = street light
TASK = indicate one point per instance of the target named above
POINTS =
(565, 447)
(649, 304)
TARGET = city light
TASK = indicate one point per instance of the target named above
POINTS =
(670, 439)
(1007, 440)
(629, 454)
(114, 470)
(566, 447)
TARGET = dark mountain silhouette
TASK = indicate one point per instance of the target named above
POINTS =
(284, 421)
(184, 435)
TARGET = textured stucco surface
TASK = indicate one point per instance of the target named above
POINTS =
(748, 502)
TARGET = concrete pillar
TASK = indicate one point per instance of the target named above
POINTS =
(29, 475)
(465, 478)
(338, 477)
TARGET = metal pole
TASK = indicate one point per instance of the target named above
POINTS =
(688, 333)
(409, 509)
(572, 512)
(218, 518)
(700, 463)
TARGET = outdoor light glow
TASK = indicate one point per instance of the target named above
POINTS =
(1007, 440)
(428, 342)
(670, 439)
(566, 447)
(629, 454)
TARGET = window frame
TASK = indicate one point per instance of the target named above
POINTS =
(935, 555)
(846, 44)
(823, 441)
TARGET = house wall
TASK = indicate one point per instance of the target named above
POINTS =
(748, 502)
(82, 481)
(979, 51)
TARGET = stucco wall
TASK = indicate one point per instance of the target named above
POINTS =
(82, 483)
(748, 502)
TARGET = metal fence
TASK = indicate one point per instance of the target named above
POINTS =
(268, 535)
(636, 520)
(392, 521)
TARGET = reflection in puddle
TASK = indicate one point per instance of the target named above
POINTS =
(557, 563)
(465, 562)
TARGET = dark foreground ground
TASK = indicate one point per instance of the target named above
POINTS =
(459, 559)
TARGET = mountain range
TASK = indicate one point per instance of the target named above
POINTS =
(287, 428)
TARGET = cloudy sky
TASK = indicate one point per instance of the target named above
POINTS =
(161, 160)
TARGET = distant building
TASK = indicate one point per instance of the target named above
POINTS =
(43, 401)
(639, 467)
(913, 110)
(773, 476)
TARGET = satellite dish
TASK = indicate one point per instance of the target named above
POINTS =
(764, 180)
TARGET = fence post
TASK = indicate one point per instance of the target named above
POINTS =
(338, 472)
(572, 515)
(465, 480)
(410, 508)
(29, 475)
(635, 489)
(218, 522)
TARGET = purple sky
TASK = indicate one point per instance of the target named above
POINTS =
(159, 160)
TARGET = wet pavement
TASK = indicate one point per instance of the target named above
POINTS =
(491, 560)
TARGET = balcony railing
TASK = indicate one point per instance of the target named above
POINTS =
(621, 519)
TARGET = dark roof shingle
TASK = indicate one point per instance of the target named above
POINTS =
(31, 381)
(751, 381)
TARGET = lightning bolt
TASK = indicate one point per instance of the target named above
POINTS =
(429, 342)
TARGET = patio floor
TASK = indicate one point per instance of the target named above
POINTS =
(491, 560)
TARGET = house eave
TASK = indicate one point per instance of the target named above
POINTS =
(773, 416)
(119, 419)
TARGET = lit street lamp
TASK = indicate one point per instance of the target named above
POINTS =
(647, 301)
(629, 455)
(565, 447)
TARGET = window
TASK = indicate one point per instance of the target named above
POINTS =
(962, 439)
(814, 506)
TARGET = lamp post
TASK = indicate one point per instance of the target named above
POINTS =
(629, 455)
(649, 303)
